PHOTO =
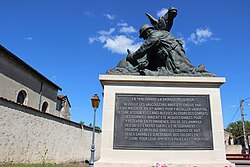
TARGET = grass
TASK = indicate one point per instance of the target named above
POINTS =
(43, 165)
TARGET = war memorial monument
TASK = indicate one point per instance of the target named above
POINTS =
(158, 107)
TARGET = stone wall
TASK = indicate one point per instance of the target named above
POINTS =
(233, 149)
(29, 136)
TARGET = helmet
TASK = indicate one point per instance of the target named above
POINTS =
(172, 9)
(143, 28)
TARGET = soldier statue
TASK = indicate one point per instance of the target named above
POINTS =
(161, 54)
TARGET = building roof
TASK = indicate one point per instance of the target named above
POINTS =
(28, 66)
(62, 97)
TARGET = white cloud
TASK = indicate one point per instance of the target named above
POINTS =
(129, 29)
(101, 38)
(28, 38)
(206, 33)
(92, 39)
(116, 41)
(109, 16)
(201, 35)
(119, 44)
(122, 24)
(215, 39)
(102, 32)
(162, 12)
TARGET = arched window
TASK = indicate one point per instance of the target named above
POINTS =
(21, 97)
(44, 106)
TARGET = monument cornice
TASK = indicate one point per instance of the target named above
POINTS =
(161, 80)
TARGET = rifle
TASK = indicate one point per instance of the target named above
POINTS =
(137, 66)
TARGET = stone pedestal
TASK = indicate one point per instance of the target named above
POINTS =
(172, 120)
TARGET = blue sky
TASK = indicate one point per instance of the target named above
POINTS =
(72, 42)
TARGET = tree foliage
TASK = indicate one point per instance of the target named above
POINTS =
(236, 128)
(81, 123)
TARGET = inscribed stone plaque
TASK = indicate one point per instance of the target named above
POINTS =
(162, 122)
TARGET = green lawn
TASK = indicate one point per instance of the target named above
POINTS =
(43, 165)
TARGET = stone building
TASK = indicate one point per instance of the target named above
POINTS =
(228, 138)
(230, 146)
(21, 83)
(63, 106)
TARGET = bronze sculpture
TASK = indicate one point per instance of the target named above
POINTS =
(161, 54)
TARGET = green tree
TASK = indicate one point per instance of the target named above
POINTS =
(236, 128)
(81, 123)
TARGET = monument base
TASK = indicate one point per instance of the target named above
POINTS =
(180, 119)
(114, 163)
